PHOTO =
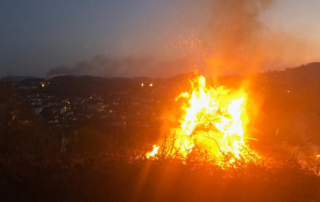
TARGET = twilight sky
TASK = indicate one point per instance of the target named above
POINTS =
(38, 35)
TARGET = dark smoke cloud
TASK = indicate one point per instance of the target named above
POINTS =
(125, 67)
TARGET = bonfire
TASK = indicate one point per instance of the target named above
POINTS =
(211, 129)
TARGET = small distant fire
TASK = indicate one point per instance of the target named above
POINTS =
(211, 127)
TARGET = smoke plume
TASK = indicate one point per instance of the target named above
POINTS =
(238, 41)
(238, 34)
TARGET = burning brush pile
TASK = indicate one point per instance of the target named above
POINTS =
(212, 128)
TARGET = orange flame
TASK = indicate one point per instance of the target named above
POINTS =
(212, 126)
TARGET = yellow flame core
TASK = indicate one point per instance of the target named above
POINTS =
(212, 125)
(154, 152)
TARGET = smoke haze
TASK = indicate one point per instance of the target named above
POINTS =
(125, 67)
(233, 39)
(238, 31)
(237, 40)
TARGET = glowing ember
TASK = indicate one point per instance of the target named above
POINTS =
(211, 128)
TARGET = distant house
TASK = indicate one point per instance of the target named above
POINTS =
(123, 117)
(27, 87)
(104, 116)
(68, 114)
(38, 110)
(63, 110)
(53, 121)
(95, 105)
(89, 116)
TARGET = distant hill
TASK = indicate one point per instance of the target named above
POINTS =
(17, 78)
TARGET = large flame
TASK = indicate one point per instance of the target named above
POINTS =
(211, 128)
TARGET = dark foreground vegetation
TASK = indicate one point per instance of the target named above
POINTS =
(98, 179)
(96, 163)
